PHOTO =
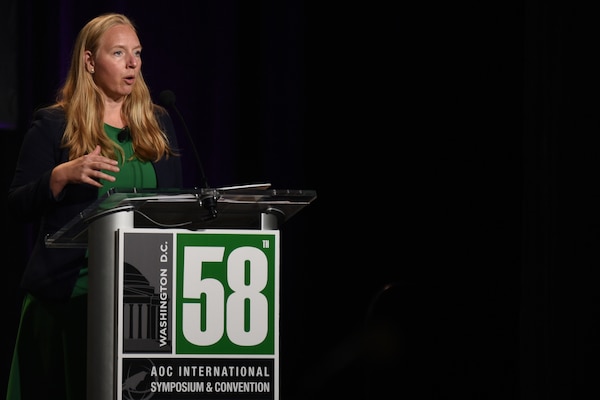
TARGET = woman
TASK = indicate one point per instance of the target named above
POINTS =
(73, 152)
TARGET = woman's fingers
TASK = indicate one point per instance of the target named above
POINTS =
(93, 165)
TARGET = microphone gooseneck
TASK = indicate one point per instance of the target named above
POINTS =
(167, 100)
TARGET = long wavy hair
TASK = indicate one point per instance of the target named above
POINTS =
(83, 104)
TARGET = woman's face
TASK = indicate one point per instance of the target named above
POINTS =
(117, 62)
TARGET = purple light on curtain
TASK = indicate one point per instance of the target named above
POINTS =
(66, 37)
(8, 65)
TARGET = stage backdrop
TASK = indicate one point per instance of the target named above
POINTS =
(405, 273)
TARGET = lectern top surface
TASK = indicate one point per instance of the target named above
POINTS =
(235, 207)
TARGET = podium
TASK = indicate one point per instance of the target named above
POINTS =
(183, 297)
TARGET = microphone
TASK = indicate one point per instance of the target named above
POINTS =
(123, 134)
(167, 100)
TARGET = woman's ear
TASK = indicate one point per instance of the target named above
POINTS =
(89, 61)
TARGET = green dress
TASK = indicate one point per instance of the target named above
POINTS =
(52, 336)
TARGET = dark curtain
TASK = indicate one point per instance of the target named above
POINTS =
(559, 297)
(454, 152)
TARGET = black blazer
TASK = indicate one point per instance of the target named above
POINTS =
(52, 273)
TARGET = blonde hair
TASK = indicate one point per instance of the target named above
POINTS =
(84, 106)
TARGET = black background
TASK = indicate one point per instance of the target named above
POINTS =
(454, 152)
